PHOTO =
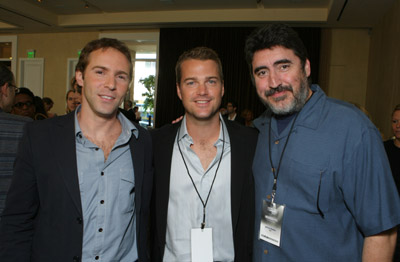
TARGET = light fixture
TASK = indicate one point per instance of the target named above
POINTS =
(86, 5)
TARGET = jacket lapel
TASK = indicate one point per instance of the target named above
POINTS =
(164, 145)
(236, 171)
(137, 153)
(63, 139)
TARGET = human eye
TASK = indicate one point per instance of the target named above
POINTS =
(122, 77)
(189, 83)
(212, 81)
(284, 67)
(99, 72)
(261, 73)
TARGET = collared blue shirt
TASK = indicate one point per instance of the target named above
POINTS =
(107, 191)
(334, 181)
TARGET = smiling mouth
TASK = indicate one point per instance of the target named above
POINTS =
(107, 97)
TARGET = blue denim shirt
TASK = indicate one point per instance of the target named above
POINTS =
(107, 191)
(334, 181)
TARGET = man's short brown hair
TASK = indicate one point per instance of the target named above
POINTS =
(103, 43)
(198, 53)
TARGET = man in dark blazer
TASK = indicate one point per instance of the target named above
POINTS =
(232, 113)
(67, 200)
(203, 147)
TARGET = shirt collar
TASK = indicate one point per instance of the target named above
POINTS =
(127, 126)
(183, 133)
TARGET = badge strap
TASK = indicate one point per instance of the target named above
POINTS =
(275, 172)
(203, 224)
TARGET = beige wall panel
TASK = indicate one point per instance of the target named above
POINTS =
(349, 64)
(55, 48)
(383, 91)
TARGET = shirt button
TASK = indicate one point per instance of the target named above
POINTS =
(79, 220)
(276, 142)
(101, 201)
(97, 149)
(97, 257)
(266, 251)
(102, 173)
(100, 230)
(80, 136)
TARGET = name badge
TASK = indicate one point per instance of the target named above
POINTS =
(271, 222)
(201, 245)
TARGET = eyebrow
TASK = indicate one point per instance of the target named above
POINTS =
(107, 69)
(283, 61)
(278, 62)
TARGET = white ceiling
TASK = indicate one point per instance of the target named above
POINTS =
(32, 16)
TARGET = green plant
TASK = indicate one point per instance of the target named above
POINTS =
(149, 84)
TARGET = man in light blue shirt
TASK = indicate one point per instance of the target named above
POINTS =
(82, 182)
(324, 191)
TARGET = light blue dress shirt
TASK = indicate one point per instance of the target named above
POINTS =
(107, 191)
(185, 210)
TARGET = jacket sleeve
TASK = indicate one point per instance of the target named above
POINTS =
(18, 218)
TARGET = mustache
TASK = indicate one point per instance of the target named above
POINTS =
(277, 89)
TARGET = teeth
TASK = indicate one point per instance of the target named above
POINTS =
(107, 97)
(201, 102)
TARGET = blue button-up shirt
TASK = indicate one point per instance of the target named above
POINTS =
(107, 189)
(334, 181)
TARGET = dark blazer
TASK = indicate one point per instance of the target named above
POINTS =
(238, 119)
(42, 220)
(243, 143)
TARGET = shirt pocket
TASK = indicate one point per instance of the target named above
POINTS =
(126, 194)
(308, 187)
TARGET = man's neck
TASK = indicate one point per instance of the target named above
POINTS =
(204, 135)
(232, 115)
(203, 130)
(101, 131)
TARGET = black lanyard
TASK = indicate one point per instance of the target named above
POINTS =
(215, 175)
(276, 172)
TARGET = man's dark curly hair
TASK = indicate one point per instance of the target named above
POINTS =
(274, 35)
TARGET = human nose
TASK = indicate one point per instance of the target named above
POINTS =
(274, 79)
(110, 83)
(202, 89)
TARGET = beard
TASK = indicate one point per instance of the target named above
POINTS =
(294, 104)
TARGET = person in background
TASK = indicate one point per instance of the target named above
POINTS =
(72, 101)
(82, 182)
(10, 131)
(128, 105)
(48, 105)
(232, 114)
(392, 147)
(323, 185)
(24, 104)
(136, 112)
(40, 111)
(248, 117)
